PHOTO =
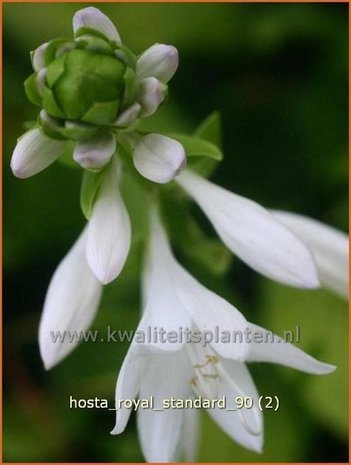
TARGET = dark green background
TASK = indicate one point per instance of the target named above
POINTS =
(278, 75)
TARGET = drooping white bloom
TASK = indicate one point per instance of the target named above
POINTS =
(329, 246)
(34, 152)
(93, 18)
(173, 298)
(252, 233)
(190, 368)
(109, 229)
(160, 61)
(70, 305)
(159, 158)
(95, 152)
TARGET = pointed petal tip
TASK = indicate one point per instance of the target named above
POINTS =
(48, 365)
(325, 369)
(117, 430)
(103, 275)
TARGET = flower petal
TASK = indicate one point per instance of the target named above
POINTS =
(159, 158)
(190, 435)
(167, 375)
(151, 94)
(109, 230)
(329, 246)
(253, 234)
(128, 385)
(162, 308)
(38, 57)
(184, 293)
(129, 116)
(160, 61)
(245, 426)
(283, 353)
(96, 151)
(70, 305)
(34, 152)
(93, 18)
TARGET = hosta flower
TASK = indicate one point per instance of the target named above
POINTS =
(175, 299)
(70, 305)
(252, 233)
(329, 246)
(92, 89)
(92, 92)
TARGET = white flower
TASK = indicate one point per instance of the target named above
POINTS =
(95, 152)
(329, 246)
(159, 158)
(109, 229)
(174, 299)
(252, 233)
(151, 94)
(70, 305)
(93, 18)
(34, 152)
(160, 61)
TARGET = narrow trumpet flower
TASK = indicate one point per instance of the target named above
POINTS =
(329, 246)
(193, 368)
(253, 234)
(109, 229)
(70, 305)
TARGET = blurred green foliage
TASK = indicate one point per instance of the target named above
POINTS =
(277, 73)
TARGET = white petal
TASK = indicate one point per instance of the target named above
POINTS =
(167, 375)
(95, 152)
(34, 152)
(253, 234)
(109, 230)
(329, 246)
(128, 385)
(184, 293)
(70, 305)
(128, 116)
(93, 18)
(190, 435)
(160, 61)
(159, 158)
(38, 57)
(162, 308)
(212, 315)
(245, 426)
(283, 353)
(151, 94)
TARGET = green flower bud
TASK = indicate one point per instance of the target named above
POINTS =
(93, 84)
(86, 86)
(89, 81)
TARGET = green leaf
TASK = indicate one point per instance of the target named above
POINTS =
(83, 31)
(101, 113)
(196, 147)
(211, 129)
(130, 87)
(52, 48)
(55, 70)
(50, 104)
(31, 89)
(67, 157)
(90, 185)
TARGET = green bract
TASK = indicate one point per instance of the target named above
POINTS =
(82, 85)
